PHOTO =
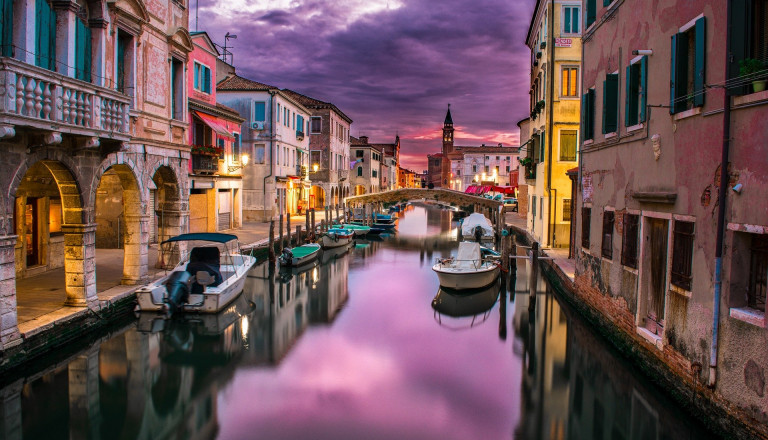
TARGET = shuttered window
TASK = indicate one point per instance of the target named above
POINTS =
(611, 103)
(586, 219)
(82, 49)
(260, 111)
(45, 44)
(591, 12)
(687, 68)
(588, 114)
(607, 246)
(636, 86)
(202, 78)
(749, 39)
(758, 272)
(571, 19)
(6, 28)
(568, 145)
(569, 83)
(682, 254)
(316, 124)
(630, 240)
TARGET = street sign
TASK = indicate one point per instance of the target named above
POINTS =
(563, 42)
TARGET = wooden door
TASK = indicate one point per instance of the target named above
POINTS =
(31, 232)
(657, 246)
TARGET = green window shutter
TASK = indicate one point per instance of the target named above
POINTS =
(120, 64)
(584, 121)
(610, 103)
(6, 28)
(607, 2)
(643, 86)
(699, 62)
(591, 12)
(605, 105)
(575, 20)
(628, 96)
(207, 80)
(567, 22)
(591, 113)
(672, 75)
(82, 51)
(738, 44)
(45, 21)
(259, 111)
(543, 146)
(196, 73)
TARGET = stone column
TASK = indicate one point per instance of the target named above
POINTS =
(99, 51)
(10, 411)
(80, 264)
(65, 36)
(9, 328)
(84, 413)
(24, 20)
(136, 245)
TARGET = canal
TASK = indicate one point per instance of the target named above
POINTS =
(362, 345)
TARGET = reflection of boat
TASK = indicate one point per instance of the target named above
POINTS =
(468, 270)
(377, 227)
(465, 302)
(332, 254)
(476, 226)
(299, 255)
(336, 237)
(208, 278)
(209, 323)
(287, 273)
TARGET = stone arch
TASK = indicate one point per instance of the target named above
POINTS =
(170, 214)
(318, 196)
(118, 181)
(360, 190)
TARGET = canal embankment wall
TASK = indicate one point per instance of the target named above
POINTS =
(666, 368)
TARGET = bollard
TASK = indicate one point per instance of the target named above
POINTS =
(271, 242)
(299, 241)
(280, 228)
(288, 229)
(504, 250)
(337, 212)
(513, 252)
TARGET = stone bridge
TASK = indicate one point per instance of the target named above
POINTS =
(446, 196)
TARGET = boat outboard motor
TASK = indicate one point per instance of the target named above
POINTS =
(177, 286)
(478, 233)
(287, 255)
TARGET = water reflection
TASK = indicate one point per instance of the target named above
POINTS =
(348, 347)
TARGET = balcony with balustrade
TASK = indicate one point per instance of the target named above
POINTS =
(37, 98)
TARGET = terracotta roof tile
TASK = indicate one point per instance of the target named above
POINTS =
(239, 83)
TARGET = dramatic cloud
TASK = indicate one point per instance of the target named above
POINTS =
(392, 66)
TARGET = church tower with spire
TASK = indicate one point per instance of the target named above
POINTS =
(448, 132)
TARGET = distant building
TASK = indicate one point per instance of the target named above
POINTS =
(434, 172)
(365, 167)
(522, 175)
(329, 151)
(407, 179)
(274, 135)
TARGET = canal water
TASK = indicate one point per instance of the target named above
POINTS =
(361, 345)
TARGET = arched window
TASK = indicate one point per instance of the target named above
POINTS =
(359, 171)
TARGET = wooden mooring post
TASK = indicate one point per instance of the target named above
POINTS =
(288, 230)
(299, 241)
(280, 228)
(314, 225)
(306, 223)
(271, 244)
(533, 276)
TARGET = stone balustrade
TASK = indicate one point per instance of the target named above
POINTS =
(40, 98)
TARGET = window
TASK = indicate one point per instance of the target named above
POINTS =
(608, 219)
(126, 60)
(749, 39)
(497, 157)
(533, 206)
(177, 86)
(634, 108)
(258, 154)
(688, 69)
(591, 13)
(586, 218)
(223, 147)
(316, 124)
(588, 114)
(6, 28)
(487, 168)
(566, 210)
(458, 172)
(474, 168)
(203, 133)
(611, 103)
(374, 173)
(568, 145)
(260, 111)
(299, 124)
(758, 272)
(541, 207)
(202, 78)
(278, 112)
(571, 19)
(507, 168)
(359, 171)
(630, 240)
(236, 147)
(55, 219)
(682, 254)
(569, 82)
(82, 45)
(45, 43)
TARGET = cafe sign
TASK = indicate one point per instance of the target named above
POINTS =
(563, 42)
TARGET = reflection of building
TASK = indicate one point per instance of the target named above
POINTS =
(274, 136)
(554, 39)
(215, 179)
(94, 140)
(329, 151)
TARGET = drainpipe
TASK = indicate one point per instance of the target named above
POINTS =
(724, 178)
(271, 142)
(550, 122)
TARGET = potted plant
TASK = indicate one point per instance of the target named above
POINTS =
(525, 161)
(754, 69)
(543, 44)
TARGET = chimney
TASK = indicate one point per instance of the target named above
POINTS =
(364, 139)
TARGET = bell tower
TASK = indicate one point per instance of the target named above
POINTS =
(448, 132)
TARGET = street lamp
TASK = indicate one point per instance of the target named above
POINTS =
(243, 162)
(315, 167)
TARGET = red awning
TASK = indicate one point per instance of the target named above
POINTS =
(505, 189)
(215, 125)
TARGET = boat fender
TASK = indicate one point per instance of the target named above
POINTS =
(178, 287)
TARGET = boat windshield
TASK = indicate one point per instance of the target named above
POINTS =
(220, 259)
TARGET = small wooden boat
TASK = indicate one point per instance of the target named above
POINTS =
(299, 255)
(357, 229)
(468, 270)
(336, 237)
(477, 227)
(211, 274)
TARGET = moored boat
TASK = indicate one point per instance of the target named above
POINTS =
(359, 230)
(299, 255)
(209, 276)
(468, 270)
(336, 237)
(476, 226)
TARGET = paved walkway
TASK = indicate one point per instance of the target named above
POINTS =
(559, 255)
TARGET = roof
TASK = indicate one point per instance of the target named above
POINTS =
(309, 102)
(448, 118)
(238, 83)
(486, 149)
(533, 20)
(203, 236)
(219, 109)
(355, 142)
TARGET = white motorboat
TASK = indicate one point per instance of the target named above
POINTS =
(299, 255)
(477, 225)
(468, 270)
(211, 273)
(336, 237)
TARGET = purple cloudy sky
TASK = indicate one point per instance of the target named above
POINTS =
(390, 65)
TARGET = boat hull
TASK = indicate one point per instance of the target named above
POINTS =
(461, 280)
(299, 261)
(328, 242)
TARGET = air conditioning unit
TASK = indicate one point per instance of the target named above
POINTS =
(257, 125)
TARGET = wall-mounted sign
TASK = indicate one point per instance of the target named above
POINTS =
(563, 42)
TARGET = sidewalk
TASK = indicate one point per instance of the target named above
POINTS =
(559, 255)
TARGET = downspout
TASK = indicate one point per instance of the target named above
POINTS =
(271, 144)
(721, 206)
(550, 121)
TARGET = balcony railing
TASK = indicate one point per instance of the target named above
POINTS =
(205, 164)
(31, 95)
(343, 175)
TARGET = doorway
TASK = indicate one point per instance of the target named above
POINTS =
(32, 231)
(655, 242)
